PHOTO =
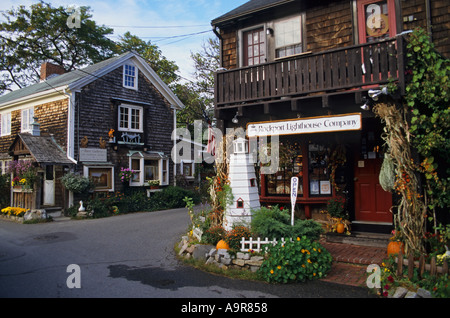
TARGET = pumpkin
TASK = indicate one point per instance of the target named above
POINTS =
(394, 247)
(222, 245)
(340, 228)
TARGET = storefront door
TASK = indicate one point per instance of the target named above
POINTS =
(372, 203)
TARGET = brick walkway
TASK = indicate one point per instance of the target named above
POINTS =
(350, 262)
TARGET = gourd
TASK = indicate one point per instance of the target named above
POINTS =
(340, 228)
(222, 245)
(394, 247)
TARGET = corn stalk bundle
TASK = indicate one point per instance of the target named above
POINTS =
(411, 211)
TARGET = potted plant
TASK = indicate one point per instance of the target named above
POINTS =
(338, 215)
(154, 184)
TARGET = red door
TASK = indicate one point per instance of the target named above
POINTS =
(372, 203)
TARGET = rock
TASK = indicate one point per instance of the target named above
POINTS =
(423, 293)
(411, 294)
(256, 258)
(34, 214)
(190, 249)
(201, 252)
(239, 262)
(400, 292)
(212, 252)
(183, 248)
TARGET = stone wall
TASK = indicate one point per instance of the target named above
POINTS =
(220, 257)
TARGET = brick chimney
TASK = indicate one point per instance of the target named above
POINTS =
(48, 69)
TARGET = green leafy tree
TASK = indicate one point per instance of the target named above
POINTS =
(165, 69)
(427, 96)
(40, 33)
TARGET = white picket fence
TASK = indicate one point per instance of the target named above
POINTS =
(255, 245)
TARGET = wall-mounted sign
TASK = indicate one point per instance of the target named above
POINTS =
(93, 154)
(332, 123)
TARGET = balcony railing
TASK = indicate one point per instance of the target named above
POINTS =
(353, 67)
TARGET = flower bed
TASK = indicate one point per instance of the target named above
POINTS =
(13, 213)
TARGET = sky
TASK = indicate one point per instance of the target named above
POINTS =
(163, 22)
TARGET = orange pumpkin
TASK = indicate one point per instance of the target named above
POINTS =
(394, 247)
(340, 228)
(222, 245)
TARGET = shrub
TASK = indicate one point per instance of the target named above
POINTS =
(214, 234)
(234, 237)
(77, 183)
(299, 260)
(275, 223)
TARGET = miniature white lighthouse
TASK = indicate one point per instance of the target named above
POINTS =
(243, 186)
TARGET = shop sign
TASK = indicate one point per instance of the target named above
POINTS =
(310, 125)
(93, 154)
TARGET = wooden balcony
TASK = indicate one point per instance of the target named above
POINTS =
(349, 68)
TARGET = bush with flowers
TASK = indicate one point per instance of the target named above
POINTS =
(126, 174)
(25, 174)
(14, 211)
(235, 235)
(297, 260)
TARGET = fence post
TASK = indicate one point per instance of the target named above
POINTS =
(400, 263)
(243, 243)
(433, 268)
(410, 265)
(421, 265)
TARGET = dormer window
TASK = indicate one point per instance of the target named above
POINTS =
(130, 76)
(27, 119)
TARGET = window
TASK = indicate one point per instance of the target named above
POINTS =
(102, 178)
(129, 76)
(130, 118)
(187, 169)
(290, 166)
(319, 173)
(6, 124)
(376, 20)
(288, 37)
(254, 47)
(27, 119)
(149, 169)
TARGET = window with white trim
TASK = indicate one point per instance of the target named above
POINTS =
(6, 124)
(288, 37)
(130, 76)
(27, 119)
(149, 169)
(130, 118)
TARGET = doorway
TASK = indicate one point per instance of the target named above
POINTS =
(372, 203)
(49, 186)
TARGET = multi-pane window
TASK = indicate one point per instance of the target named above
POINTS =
(129, 76)
(254, 47)
(27, 119)
(130, 118)
(288, 37)
(5, 124)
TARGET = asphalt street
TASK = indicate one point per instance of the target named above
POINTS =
(125, 256)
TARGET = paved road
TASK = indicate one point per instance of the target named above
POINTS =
(123, 256)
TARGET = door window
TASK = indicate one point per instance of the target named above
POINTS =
(254, 47)
(376, 20)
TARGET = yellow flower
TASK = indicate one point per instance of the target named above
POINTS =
(23, 181)
(279, 267)
(298, 239)
(303, 265)
(309, 261)
(314, 274)
(303, 251)
(271, 271)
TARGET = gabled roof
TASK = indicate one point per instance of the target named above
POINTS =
(43, 149)
(76, 79)
(249, 7)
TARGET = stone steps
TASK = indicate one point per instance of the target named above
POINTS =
(360, 238)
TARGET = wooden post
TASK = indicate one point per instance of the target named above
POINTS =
(410, 266)
(421, 265)
(433, 266)
(400, 263)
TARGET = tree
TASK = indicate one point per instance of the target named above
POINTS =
(31, 36)
(152, 54)
(198, 95)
